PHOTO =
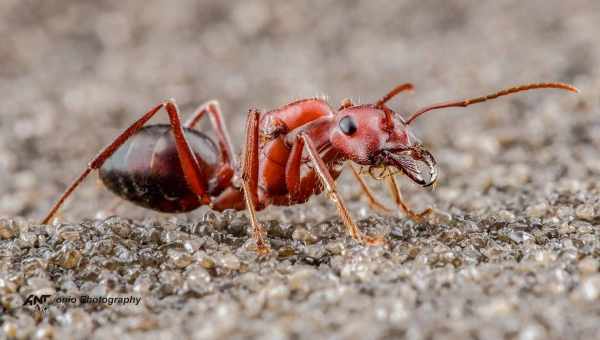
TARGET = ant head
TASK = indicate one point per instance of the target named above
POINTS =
(375, 136)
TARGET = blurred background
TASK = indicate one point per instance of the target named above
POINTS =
(73, 74)
(513, 252)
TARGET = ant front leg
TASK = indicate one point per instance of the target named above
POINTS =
(250, 179)
(188, 161)
(374, 203)
(397, 194)
(394, 188)
(333, 195)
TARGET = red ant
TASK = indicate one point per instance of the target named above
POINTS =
(174, 168)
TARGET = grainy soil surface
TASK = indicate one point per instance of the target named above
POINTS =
(512, 251)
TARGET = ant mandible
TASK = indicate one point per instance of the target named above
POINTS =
(174, 168)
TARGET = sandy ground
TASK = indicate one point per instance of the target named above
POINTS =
(513, 253)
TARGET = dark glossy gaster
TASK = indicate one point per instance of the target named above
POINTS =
(291, 154)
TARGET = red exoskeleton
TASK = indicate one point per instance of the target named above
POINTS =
(291, 153)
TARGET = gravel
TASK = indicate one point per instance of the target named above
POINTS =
(512, 250)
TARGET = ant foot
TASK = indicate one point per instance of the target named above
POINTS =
(373, 240)
(259, 234)
(263, 249)
(368, 240)
(419, 217)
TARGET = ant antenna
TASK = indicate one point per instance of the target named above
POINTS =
(505, 92)
(393, 93)
(389, 114)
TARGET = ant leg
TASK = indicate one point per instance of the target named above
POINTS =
(292, 169)
(373, 201)
(250, 179)
(300, 188)
(333, 195)
(296, 185)
(100, 158)
(395, 190)
(216, 118)
(188, 161)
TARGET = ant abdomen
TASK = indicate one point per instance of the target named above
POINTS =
(146, 169)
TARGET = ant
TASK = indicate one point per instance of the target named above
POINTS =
(291, 154)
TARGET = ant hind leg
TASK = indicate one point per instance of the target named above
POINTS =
(187, 159)
(213, 109)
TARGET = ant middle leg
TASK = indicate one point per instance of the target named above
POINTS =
(250, 179)
(374, 203)
(188, 161)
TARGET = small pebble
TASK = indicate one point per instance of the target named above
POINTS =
(537, 211)
(179, 258)
(506, 216)
(302, 279)
(229, 261)
(588, 265)
(303, 235)
(585, 212)
(590, 288)
(438, 216)
(8, 228)
(520, 236)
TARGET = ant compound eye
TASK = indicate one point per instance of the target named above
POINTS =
(347, 125)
